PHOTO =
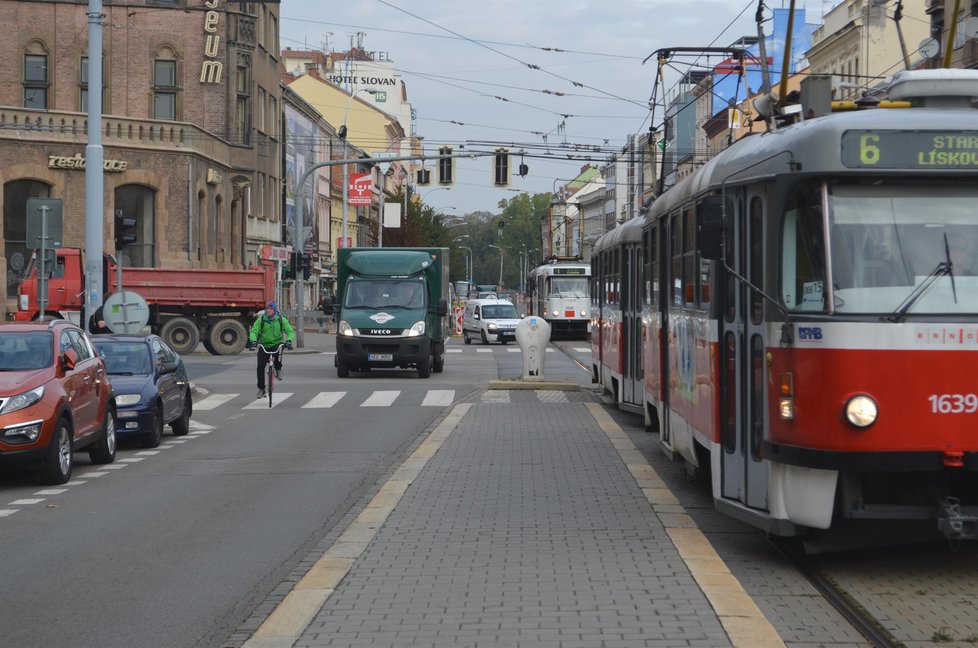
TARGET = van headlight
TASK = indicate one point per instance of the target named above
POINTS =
(861, 411)
(25, 399)
(344, 328)
(417, 329)
(492, 326)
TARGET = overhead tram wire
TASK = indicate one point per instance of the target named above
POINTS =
(513, 58)
(306, 21)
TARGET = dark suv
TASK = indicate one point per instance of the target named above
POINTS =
(55, 398)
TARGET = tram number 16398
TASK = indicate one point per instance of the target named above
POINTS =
(953, 403)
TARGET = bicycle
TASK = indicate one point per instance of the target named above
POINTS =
(270, 367)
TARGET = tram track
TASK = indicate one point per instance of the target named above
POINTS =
(857, 616)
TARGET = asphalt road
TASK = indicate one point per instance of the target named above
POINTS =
(176, 546)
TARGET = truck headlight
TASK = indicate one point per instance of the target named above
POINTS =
(25, 399)
(127, 399)
(417, 329)
(344, 328)
(861, 411)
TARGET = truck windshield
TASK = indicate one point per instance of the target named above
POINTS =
(886, 239)
(385, 293)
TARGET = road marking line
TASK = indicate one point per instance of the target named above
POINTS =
(112, 467)
(582, 350)
(381, 399)
(324, 399)
(147, 453)
(262, 403)
(285, 625)
(7, 512)
(26, 501)
(438, 398)
(51, 491)
(126, 460)
(212, 401)
(484, 350)
(745, 624)
(98, 473)
(453, 350)
(512, 350)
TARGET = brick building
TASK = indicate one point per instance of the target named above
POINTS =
(190, 127)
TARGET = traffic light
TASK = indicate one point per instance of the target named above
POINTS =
(288, 269)
(500, 168)
(125, 230)
(305, 262)
(446, 167)
(423, 177)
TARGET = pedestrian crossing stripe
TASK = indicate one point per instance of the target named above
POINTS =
(324, 399)
(380, 399)
(213, 401)
(438, 398)
(262, 403)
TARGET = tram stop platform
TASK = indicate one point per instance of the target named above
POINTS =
(525, 517)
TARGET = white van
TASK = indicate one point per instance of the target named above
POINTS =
(489, 320)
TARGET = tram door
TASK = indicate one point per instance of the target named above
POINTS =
(742, 358)
(632, 388)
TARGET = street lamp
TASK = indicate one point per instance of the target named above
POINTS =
(435, 189)
(499, 285)
(468, 267)
(346, 167)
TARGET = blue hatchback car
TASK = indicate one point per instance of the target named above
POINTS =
(150, 384)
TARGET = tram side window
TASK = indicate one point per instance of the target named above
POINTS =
(689, 257)
(677, 260)
(652, 274)
(803, 284)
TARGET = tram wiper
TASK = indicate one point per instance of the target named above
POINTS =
(943, 268)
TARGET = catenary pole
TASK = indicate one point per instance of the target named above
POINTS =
(94, 181)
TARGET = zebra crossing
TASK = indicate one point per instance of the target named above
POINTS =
(375, 398)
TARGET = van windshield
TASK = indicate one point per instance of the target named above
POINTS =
(384, 293)
(500, 311)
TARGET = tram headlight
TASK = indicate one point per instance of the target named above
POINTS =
(861, 411)
(583, 313)
(555, 313)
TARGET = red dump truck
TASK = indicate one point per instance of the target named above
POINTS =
(188, 306)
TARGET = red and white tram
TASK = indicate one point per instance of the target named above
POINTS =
(558, 291)
(808, 308)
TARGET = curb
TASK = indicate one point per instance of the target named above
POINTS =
(531, 383)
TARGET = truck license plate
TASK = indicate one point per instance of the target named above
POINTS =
(381, 357)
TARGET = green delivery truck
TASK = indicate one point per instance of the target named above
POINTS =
(393, 309)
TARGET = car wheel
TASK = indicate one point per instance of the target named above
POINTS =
(58, 463)
(103, 452)
(181, 426)
(342, 370)
(485, 340)
(153, 438)
(424, 367)
(468, 340)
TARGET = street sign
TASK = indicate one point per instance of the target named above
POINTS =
(663, 144)
(339, 241)
(125, 312)
(54, 208)
(360, 189)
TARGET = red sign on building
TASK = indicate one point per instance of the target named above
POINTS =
(360, 189)
(340, 243)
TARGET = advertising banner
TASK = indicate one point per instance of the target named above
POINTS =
(360, 189)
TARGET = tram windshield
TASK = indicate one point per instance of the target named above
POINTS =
(568, 287)
(891, 242)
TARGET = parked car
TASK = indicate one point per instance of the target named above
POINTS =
(55, 398)
(151, 386)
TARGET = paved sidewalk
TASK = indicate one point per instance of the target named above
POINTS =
(524, 519)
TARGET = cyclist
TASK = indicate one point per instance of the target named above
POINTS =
(270, 330)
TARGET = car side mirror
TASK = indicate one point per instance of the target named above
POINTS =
(168, 368)
(710, 223)
(69, 359)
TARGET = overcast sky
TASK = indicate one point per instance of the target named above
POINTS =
(457, 56)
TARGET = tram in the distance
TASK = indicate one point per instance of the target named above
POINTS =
(799, 317)
(559, 292)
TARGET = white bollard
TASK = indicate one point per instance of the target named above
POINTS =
(533, 335)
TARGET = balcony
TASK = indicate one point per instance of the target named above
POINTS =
(54, 127)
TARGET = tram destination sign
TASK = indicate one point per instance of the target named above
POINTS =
(898, 149)
(568, 271)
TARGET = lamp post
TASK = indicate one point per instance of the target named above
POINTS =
(500, 265)
(435, 189)
(468, 267)
(346, 167)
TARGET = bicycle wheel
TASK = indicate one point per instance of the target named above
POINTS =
(270, 379)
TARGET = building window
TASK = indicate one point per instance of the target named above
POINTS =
(260, 122)
(242, 107)
(164, 89)
(36, 81)
(83, 85)
(138, 202)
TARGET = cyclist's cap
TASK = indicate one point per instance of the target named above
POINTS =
(273, 305)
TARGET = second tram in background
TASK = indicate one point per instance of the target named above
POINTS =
(559, 292)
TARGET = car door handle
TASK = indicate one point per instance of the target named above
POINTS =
(87, 378)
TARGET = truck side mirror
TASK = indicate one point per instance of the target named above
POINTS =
(710, 224)
(442, 307)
